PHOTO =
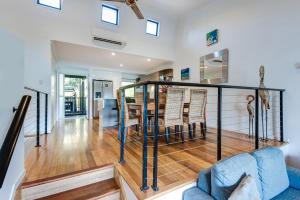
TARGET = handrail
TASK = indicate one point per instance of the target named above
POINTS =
(11, 138)
(34, 90)
(197, 85)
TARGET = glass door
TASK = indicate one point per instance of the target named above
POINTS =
(75, 95)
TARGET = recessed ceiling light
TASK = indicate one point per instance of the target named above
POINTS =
(121, 65)
(113, 53)
(149, 60)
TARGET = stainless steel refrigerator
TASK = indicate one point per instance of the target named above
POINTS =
(104, 89)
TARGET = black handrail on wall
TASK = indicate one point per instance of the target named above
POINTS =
(156, 128)
(12, 136)
(38, 114)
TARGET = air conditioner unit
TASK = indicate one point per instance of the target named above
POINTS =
(108, 40)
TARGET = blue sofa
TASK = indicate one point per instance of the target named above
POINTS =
(274, 179)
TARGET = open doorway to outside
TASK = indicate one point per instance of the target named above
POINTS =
(75, 95)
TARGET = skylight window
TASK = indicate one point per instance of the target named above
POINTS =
(152, 27)
(50, 3)
(110, 14)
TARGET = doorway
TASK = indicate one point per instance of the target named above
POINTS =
(75, 95)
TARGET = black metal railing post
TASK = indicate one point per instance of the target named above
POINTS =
(281, 117)
(219, 126)
(122, 146)
(256, 119)
(38, 94)
(156, 132)
(38, 119)
(145, 143)
(46, 113)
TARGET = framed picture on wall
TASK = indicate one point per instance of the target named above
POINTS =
(185, 74)
(212, 37)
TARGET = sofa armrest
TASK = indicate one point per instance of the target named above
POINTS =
(294, 177)
(204, 180)
(195, 194)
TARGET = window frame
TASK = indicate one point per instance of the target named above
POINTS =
(129, 81)
(157, 29)
(112, 8)
(45, 5)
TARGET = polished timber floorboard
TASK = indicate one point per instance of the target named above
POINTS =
(77, 144)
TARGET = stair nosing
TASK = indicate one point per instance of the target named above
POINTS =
(113, 191)
(64, 176)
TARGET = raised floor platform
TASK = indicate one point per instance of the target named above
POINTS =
(78, 144)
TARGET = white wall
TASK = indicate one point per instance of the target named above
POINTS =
(11, 87)
(255, 32)
(38, 25)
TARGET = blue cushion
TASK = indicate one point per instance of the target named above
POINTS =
(227, 174)
(272, 171)
(204, 180)
(294, 177)
(196, 194)
(288, 194)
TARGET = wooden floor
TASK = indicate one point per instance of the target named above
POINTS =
(77, 144)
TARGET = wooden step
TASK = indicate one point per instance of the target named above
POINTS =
(51, 186)
(108, 190)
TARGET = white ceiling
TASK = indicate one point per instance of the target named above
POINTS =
(103, 58)
(177, 7)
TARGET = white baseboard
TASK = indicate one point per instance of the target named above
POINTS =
(17, 184)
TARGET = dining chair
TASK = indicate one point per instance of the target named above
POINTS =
(130, 117)
(139, 98)
(151, 109)
(139, 101)
(173, 114)
(196, 112)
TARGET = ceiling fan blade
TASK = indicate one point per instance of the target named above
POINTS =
(121, 1)
(137, 11)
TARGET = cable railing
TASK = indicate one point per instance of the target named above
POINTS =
(36, 120)
(228, 127)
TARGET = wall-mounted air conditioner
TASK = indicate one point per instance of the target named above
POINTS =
(108, 39)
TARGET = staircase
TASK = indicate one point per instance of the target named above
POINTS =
(98, 183)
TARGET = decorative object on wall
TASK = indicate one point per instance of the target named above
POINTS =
(212, 37)
(250, 108)
(214, 67)
(185, 74)
(265, 102)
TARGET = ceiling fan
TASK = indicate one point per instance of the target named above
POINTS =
(132, 4)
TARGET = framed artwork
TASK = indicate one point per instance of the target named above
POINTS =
(185, 74)
(212, 37)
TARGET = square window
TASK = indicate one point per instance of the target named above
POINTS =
(128, 92)
(152, 27)
(50, 3)
(110, 14)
